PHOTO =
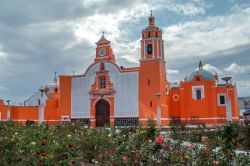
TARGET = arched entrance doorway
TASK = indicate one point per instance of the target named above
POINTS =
(102, 110)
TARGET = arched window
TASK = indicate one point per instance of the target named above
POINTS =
(102, 83)
(149, 49)
(102, 67)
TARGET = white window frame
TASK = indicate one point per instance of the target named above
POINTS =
(195, 88)
(8, 115)
(218, 99)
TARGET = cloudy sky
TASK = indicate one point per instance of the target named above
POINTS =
(38, 38)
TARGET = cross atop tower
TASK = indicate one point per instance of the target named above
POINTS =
(103, 33)
(152, 46)
(55, 78)
(151, 19)
(200, 65)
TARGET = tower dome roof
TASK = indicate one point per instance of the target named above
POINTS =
(206, 75)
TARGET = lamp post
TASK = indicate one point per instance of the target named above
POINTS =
(228, 100)
(158, 95)
(41, 107)
(8, 112)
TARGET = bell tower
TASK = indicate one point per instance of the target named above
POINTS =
(152, 43)
(152, 77)
(104, 51)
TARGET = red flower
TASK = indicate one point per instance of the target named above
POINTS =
(39, 163)
(124, 158)
(216, 162)
(73, 162)
(208, 129)
(71, 145)
(44, 154)
(43, 143)
(159, 140)
(110, 152)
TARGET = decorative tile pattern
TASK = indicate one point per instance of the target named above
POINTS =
(126, 121)
(80, 106)
(125, 98)
(81, 121)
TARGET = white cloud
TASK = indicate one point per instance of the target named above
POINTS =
(91, 27)
(3, 89)
(187, 9)
(234, 68)
(169, 71)
(243, 84)
(243, 87)
(204, 37)
(2, 53)
(212, 69)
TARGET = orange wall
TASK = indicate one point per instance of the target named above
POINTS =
(65, 96)
(21, 113)
(51, 111)
(3, 110)
(174, 104)
(207, 109)
(152, 80)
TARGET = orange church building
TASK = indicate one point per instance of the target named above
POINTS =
(118, 96)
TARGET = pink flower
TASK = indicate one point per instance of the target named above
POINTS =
(124, 158)
(159, 140)
(191, 146)
(215, 162)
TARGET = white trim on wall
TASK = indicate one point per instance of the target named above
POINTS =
(198, 87)
(218, 99)
(8, 115)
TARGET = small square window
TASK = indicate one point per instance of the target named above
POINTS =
(197, 78)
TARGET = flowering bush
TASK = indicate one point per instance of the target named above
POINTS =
(71, 144)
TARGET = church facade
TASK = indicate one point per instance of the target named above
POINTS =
(108, 94)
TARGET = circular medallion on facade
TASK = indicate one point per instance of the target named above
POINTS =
(176, 97)
(102, 52)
